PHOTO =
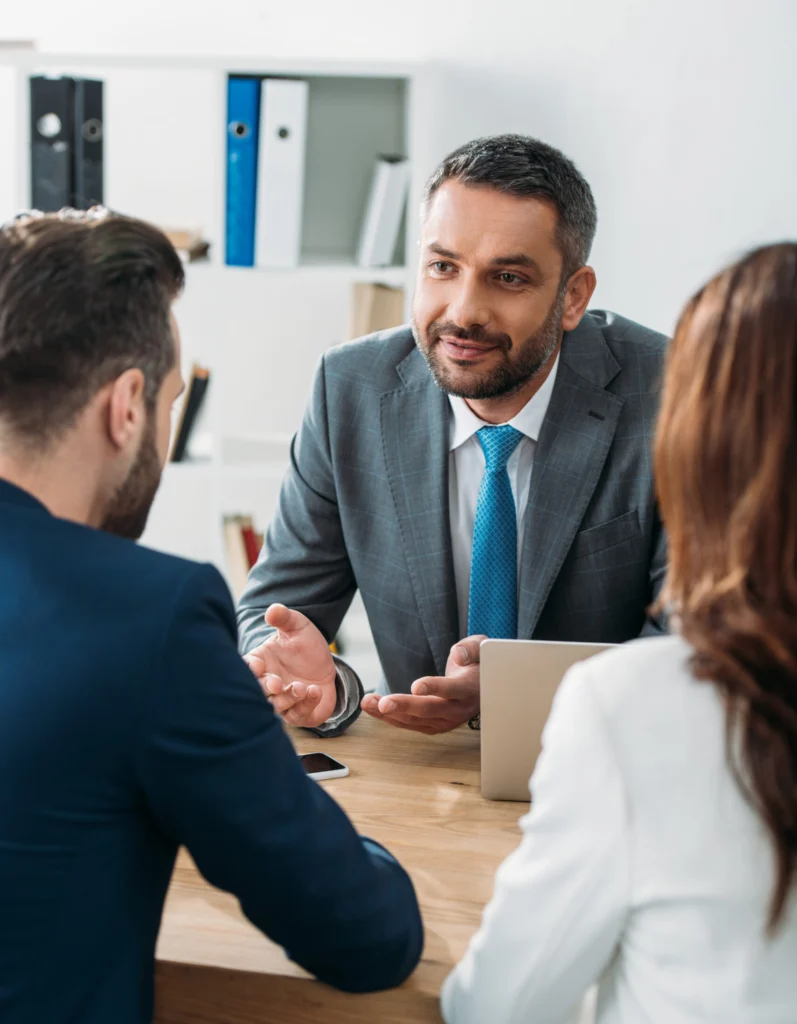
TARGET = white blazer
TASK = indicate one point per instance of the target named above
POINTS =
(642, 867)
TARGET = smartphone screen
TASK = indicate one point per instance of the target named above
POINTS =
(313, 763)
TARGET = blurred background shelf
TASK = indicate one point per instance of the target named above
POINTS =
(307, 274)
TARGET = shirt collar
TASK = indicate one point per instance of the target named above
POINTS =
(465, 423)
(10, 494)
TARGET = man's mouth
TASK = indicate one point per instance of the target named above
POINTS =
(463, 350)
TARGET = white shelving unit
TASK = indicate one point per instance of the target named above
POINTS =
(260, 332)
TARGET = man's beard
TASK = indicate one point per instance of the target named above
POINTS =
(505, 379)
(126, 515)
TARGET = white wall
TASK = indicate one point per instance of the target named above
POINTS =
(681, 113)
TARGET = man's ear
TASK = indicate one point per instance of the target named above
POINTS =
(126, 409)
(578, 292)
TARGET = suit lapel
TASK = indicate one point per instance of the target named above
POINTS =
(415, 439)
(574, 442)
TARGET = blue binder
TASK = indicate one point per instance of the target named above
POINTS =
(243, 121)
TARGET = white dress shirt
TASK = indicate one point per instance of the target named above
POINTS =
(641, 867)
(466, 469)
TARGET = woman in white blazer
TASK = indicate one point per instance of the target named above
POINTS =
(660, 854)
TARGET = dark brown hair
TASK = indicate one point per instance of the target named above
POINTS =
(83, 297)
(726, 471)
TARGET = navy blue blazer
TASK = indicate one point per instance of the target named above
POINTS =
(129, 725)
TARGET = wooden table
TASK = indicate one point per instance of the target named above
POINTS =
(419, 796)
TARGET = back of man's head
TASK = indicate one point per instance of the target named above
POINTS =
(83, 298)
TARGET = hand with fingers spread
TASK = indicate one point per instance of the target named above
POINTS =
(436, 703)
(295, 668)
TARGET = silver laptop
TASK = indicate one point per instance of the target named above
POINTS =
(518, 682)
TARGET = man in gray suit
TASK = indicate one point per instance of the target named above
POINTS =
(486, 472)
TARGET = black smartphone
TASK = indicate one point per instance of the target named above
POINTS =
(322, 766)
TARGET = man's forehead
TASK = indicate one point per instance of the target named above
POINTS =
(484, 220)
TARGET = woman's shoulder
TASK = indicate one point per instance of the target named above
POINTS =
(645, 683)
(643, 708)
(624, 663)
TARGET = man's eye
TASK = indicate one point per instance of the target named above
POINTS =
(507, 278)
(441, 266)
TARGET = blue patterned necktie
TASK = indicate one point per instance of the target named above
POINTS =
(492, 604)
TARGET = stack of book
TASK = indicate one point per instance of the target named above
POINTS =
(191, 246)
(384, 213)
(374, 307)
(242, 544)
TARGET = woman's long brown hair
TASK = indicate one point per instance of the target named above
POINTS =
(726, 471)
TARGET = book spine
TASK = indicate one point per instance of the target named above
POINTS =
(243, 112)
(383, 215)
(280, 175)
(193, 403)
(237, 562)
(88, 173)
(52, 135)
(250, 543)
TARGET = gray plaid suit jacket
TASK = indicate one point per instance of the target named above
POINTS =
(365, 504)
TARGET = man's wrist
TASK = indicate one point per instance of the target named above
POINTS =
(349, 692)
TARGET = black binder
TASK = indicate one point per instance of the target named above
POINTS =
(52, 130)
(88, 145)
(197, 386)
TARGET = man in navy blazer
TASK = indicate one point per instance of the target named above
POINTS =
(129, 724)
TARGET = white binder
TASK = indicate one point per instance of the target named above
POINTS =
(383, 214)
(280, 172)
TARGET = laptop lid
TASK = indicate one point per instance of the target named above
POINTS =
(519, 679)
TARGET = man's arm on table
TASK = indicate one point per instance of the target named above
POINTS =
(304, 563)
(221, 777)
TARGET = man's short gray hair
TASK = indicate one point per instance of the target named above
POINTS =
(527, 168)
